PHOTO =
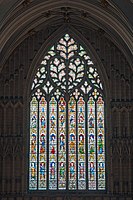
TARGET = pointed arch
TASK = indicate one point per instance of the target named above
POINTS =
(67, 131)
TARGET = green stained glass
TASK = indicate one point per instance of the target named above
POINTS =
(33, 144)
(42, 144)
(62, 144)
(53, 144)
(72, 170)
(100, 144)
(91, 144)
(67, 134)
(81, 145)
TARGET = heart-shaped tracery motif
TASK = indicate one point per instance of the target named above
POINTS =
(67, 150)
(66, 64)
(67, 70)
(67, 75)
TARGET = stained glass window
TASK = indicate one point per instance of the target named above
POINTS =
(67, 124)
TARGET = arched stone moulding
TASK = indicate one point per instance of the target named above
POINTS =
(94, 57)
(25, 17)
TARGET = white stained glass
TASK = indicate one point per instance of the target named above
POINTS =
(33, 144)
(53, 144)
(67, 133)
(81, 145)
(100, 144)
(91, 145)
(42, 179)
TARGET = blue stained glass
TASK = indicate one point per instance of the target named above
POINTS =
(42, 144)
(67, 135)
(53, 144)
(81, 145)
(33, 144)
(72, 144)
(100, 144)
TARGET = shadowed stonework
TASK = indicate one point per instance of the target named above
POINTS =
(66, 101)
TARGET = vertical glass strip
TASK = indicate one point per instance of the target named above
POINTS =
(91, 145)
(62, 144)
(53, 144)
(81, 145)
(33, 144)
(42, 144)
(100, 144)
(72, 144)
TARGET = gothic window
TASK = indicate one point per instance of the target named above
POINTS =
(67, 136)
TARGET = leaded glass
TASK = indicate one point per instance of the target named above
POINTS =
(53, 144)
(62, 144)
(72, 171)
(81, 145)
(67, 131)
(33, 143)
(100, 144)
(42, 143)
(91, 144)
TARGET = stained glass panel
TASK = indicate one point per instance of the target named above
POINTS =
(91, 145)
(33, 144)
(72, 169)
(42, 143)
(81, 145)
(62, 144)
(53, 144)
(67, 134)
(100, 144)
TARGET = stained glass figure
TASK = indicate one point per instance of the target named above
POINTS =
(62, 144)
(53, 144)
(100, 144)
(33, 144)
(67, 132)
(42, 143)
(72, 170)
(91, 144)
(81, 145)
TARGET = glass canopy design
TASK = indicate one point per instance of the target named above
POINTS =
(67, 131)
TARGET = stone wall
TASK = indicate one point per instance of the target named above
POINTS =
(14, 121)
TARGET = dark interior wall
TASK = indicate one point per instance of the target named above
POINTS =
(15, 81)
